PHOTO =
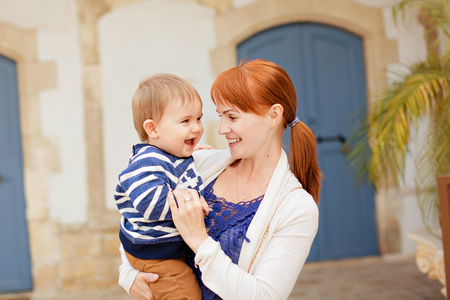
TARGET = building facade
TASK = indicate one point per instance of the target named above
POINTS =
(78, 63)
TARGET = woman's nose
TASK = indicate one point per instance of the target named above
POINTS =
(223, 128)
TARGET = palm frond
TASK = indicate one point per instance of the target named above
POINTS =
(434, 159)
(438, 10)
(398, 109)
(380, 143)
(359, 158)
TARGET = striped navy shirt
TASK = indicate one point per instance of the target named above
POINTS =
(141, 196)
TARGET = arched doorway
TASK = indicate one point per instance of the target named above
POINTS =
(15, 269)
(326, 65)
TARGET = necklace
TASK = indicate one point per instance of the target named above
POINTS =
(237, 189)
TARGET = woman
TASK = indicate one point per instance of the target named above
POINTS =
(263, 219)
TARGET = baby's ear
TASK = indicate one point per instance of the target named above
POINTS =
(151, 129)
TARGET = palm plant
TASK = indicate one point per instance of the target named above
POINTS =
(419, 95)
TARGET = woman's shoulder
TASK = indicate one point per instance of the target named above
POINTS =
(210, 163)
(201, 155)
(298, 213)
(300, 202)
(207, 158)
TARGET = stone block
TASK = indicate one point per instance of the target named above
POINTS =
(36, 196)
(76, 272)
(111, 243)
(44, 242)
(45, 278)
(80, 245)
(107, 268)
(38, 77)
(99, 284)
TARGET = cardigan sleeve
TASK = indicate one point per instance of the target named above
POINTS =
(293, 230)
(127, 274)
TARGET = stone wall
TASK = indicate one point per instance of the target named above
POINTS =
(82, 253)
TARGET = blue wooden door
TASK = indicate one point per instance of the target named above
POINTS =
(326, 65)
(15, 274)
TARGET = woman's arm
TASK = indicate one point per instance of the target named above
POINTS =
(295, 225)
(280, 264)
(134, 282)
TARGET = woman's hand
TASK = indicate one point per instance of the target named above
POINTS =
(140, 288)
(188, 216)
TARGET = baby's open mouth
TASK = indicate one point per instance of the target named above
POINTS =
(190, 142)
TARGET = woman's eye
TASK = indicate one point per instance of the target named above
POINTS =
(185, 121)
(232, 118)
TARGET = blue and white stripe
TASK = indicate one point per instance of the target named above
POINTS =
(141, 193)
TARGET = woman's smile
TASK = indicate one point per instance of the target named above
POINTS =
(233, 141)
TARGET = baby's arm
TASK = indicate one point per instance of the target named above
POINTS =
(146, 184)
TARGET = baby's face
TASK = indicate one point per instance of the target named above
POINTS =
(180, 127)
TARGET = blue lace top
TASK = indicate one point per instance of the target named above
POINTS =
(229, 224)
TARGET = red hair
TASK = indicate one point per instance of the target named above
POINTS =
(253, 87)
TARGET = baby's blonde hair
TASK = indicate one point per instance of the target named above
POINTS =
(154, 94)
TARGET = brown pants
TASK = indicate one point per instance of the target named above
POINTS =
(176, 279)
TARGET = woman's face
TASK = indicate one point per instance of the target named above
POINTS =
(247, 133)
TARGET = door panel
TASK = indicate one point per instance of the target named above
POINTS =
(326, 66)
(15, 274)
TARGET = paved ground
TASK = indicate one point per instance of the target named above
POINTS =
(373, 278)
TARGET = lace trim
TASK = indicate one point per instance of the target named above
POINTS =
(226, 214)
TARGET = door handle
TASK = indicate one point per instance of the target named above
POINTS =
(337, 138)
(1, 178)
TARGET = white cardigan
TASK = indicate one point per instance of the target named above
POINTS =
(281, 234)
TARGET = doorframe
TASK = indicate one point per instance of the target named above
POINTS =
(235, 26)
(33, 77)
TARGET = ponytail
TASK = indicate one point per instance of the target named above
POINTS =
(254, 87)
(303, 159)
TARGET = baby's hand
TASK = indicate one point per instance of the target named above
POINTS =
(203, 147)
(205, 206)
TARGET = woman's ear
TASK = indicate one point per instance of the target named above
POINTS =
(151, 129)
(275, 114)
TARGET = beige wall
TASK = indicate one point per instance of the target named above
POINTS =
(138, 40)
(75, 78)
